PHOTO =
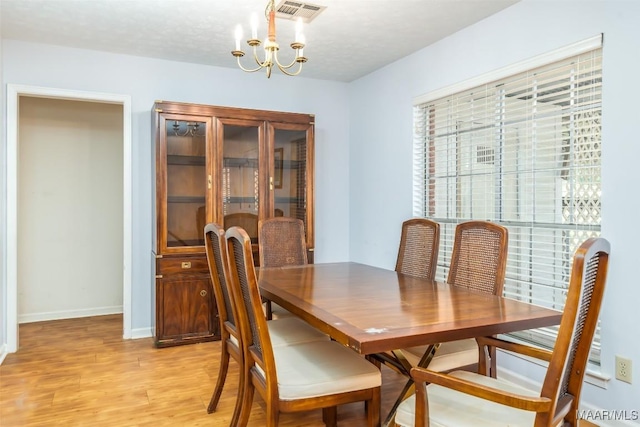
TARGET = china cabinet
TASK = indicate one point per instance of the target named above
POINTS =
(227, 165)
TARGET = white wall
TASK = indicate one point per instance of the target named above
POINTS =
(147, 80)
(381, 140)
(363, 152)
(3, 198)
(69, 209)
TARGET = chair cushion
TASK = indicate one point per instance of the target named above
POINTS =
(450, 355)
(454, 409)
(234, 341)
(277, 312)
(293, 330)
(321, 368)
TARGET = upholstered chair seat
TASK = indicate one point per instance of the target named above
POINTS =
(469, 411)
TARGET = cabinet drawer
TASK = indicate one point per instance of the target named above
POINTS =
(182, 266)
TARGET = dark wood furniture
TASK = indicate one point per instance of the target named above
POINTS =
(479, 257)
(418, 250)
(312, 375)
(558, 400)
(245, 220)
(374, 310)
(282, 331)
(211, 163)
(478, 263)
(418, 257)
(248, 222)
(282, 243)
(216, 249)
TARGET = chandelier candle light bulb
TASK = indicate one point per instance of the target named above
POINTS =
(300, 50)
(254, 26)
(271, 47)
(299, 35)
(238, 36)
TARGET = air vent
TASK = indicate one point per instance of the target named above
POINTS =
(293, 10)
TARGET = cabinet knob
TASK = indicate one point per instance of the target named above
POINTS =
(203, 293)
(186, 264)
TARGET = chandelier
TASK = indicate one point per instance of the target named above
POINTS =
(270, 45)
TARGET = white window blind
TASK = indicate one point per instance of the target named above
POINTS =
(523, 151)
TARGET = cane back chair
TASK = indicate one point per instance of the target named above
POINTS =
(281, 242)
(478, 262)
(298, 377)
(465, 399)
(284, 331)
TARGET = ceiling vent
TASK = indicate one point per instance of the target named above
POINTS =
(293, 10)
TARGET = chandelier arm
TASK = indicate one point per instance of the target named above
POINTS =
(248, 70)
(267, 58)
(284, 70)
(280, 66)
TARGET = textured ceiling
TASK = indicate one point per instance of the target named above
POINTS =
(349, 39)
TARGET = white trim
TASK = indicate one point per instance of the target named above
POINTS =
(127, 220)
(597, 378)
(591, 376)
(11, 260)
(577, 48)
(141, 333)
(3, 352)
(69, 314)
(11, 254)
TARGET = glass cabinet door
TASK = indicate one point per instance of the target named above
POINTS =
(186, 180)
(292, 173)
(240, 181)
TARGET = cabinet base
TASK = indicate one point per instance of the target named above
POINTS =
(184, 341)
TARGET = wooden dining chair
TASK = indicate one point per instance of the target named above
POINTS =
(463, 398)
(247, 220)
(284, 331)
(417, 257)
(297, 377)
(215, 248)
(418, 251)
(281, 242)
(478, 262)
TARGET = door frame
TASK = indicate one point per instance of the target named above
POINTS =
(11, 254)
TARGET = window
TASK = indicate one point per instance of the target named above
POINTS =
(524, 151)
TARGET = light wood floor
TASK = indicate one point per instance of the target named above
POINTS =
(79, 372)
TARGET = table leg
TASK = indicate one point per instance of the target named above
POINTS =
(408, 388)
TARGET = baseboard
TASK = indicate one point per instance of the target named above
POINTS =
(591, 413)
(141, 333)
(3, 352)
(69, 314)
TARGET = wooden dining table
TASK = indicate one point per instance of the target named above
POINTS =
(374, 310)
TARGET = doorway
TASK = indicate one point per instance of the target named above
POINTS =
(14, 94)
